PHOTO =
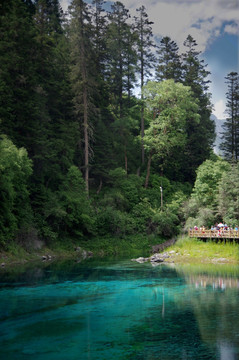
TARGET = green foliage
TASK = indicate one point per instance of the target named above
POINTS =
(142, 214)
(151, 220)
(228, 196)
(177, 200)
(169, 66)
(77, 217)
(120, 67)
(15, 169)
(125, 190)
(230, 139)
(67, 212)
(201, 209)
(133, 245)
(196, 250)
(117, 176)
(203, 217)
(165, 223)
(66, 86)
(170, 104)
(144, 43)
(215, 195)
(200, 135)
(128, 208)
(17, 76)
(153, 192)
(114, 222)
(206, 185)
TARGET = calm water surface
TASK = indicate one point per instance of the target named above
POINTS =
(118, 309)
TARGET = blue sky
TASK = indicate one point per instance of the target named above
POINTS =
(222, 58)
(214, 24)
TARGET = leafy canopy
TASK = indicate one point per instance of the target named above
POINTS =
(171, 105)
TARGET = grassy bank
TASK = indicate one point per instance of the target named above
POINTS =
(189, 250)
(186, 250)
(133, 246)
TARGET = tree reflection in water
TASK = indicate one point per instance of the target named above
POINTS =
(215, 305)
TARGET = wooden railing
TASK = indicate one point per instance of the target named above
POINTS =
(210, 234)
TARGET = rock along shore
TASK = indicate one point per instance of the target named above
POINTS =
(157, 258)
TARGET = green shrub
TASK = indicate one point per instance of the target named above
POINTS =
(165, 223)
(205, 217)
(110, 221)
(15, 170)
(142, 214)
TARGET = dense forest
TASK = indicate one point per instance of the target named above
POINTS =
(103, 131)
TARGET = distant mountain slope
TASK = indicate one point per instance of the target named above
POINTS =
(219, 129)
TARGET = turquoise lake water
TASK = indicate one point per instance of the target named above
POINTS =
(119, 309)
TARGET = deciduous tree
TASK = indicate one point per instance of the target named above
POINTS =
(15, 169)
(170, 105)
(228, 196)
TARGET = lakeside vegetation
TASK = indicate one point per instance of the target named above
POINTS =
(191, 250)
(184, 251)
(83, 161)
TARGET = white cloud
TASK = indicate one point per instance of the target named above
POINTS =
(232, 29)
(200, 18)
(205, 20)
(219, 109)
(64, 4)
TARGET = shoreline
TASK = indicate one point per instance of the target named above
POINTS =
(183, 251)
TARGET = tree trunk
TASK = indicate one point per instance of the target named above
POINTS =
(126, 160)
(142, 134)
(121, 90)
(142, 111)
(85, 107)
(86, 140)
(148, 170)
(100, 187)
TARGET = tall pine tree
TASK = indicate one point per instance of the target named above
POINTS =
(146, 60)
(119, 62)
(83, 75)
(53, 126)
(169, 63)
(200, 135)
(18, 72)
(99, 20)
(230, 135)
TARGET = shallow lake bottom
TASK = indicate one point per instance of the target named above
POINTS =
(119, 309)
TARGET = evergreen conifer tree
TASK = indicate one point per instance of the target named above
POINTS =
(230, 135)
(146, 59)
(119, 62)
(18, 72)
(169, 64)
(200, 135)
(83, 75)
(54, 138)
(130, 63)
(99, 34)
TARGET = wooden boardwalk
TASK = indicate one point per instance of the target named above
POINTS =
(214, 234)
